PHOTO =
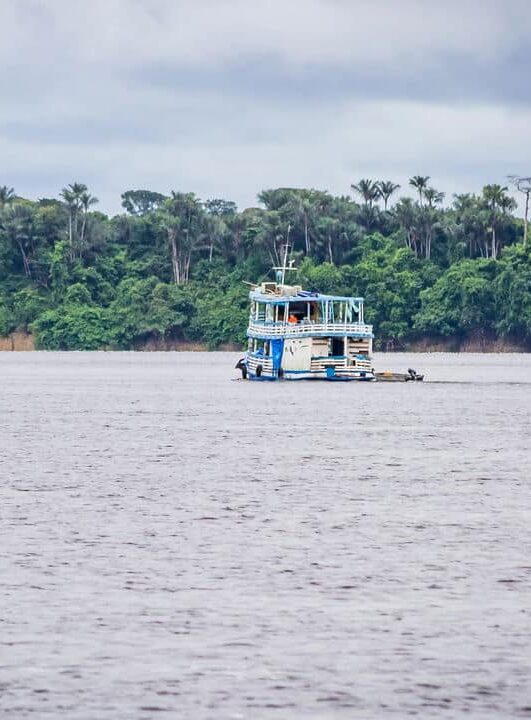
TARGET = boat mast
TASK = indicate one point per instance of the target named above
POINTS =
(282, 269)
(285, 261)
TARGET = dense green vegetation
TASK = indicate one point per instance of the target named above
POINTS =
(175, 267)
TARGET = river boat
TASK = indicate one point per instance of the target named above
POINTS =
(296, 334)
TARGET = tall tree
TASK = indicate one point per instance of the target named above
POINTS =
(468, 215)
(142, 202)
(17, 223)
(217, 212)
(86, 200)
(7, 196)
(499, 205)
(406, 217)
(220, 208)
(368, 216)
(420, 183)
(386, 189)
(214, 229)
(433, 197)
(72, 196)
(427, 223)
(183, 220)
(304, 207)
(276, 198)
(368, 189)
(523, 185)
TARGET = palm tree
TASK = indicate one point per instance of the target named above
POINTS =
(386, 189)
(7, 196)
(434, 197)
(420, 183)
(405, 213)
(499, 205)
(368, 189)
(428, 220)
(86, 201)
(72, 195)
(275, 199)
(68, 198)
(368, 217)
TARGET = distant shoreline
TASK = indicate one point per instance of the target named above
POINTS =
(24, 342)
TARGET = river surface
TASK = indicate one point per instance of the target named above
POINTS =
(177, 544)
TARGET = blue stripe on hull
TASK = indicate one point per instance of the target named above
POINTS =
(323, 378)
(300, 375)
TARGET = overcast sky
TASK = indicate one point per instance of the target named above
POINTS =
(227, 97)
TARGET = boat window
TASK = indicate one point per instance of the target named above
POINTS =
(348, 312)
(298, 310)
(337, 346)
(314, 312)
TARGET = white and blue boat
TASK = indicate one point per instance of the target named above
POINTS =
(295, 334)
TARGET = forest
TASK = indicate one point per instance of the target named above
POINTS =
(175, 268)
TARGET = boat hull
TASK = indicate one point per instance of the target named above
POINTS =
(314, 376)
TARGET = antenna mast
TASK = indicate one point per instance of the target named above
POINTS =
(285, 261)
(281, 271)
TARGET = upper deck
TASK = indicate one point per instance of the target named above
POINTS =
(288, 311)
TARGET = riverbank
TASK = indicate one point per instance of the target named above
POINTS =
(20, 341)
(473, 343)
(158, 344)
(479, 343)
(17, 341)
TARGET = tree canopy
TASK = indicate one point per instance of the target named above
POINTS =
(174, 266)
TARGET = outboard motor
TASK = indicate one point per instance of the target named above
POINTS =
(240, 365)
(413, 375)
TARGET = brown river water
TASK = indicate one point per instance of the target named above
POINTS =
(174, 543)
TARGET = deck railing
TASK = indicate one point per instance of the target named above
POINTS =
(253, 361)
(306, 329)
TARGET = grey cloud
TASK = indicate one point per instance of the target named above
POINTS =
(179, 118)
(225, 98)
(450, 78)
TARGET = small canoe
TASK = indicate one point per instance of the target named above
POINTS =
(389, 376)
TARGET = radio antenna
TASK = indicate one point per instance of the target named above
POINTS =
(286, 264)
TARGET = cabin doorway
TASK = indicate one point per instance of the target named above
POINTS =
(337, 347)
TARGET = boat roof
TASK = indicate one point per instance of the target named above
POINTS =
(302, 296)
